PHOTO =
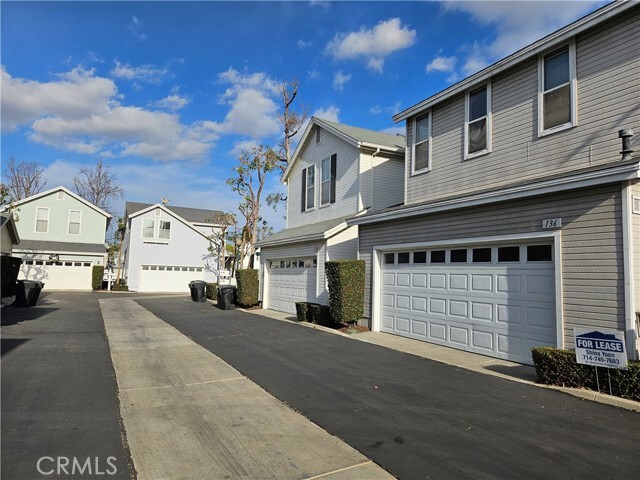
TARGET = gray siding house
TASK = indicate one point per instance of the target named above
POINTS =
(521, 218)
(336, 171)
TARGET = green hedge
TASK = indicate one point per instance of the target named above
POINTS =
(212, 291)
(96, 276)
(121, 286)
(9, 275)
(302, 311)
(248, 287)
(558, 367)
(346, 289)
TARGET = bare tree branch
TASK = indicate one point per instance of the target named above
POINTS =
(23, 179)
(98, 185)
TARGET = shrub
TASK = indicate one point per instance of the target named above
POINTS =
(346, 290)
(121, 286)
(248, 287)
(559, 367)
(212, 291)
(302, 311)
(10, 271)
(96, 276)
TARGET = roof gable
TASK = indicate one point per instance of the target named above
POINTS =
(193, 215)
(356, 136)
(68, 192)
(168, 212)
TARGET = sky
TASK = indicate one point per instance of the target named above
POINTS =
(168, 94)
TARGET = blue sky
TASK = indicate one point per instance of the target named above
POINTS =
(169, 93)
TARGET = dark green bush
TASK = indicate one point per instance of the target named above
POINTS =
(346, 290)
(10, 271)
(319, 314)
(559, 367)
(302, 311)
(120, 286)
(248, 287)
(212, 291)
(96, 276)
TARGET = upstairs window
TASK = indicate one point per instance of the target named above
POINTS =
(74, 222)
(308, 188)
(164, 230)
(556, 100)
(420, 155)
(478, 124)
(42, 220)
(328, 180)
(148, 228)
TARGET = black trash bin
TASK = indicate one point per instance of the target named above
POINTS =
(226, 297)
(198, 290)
(27, 293)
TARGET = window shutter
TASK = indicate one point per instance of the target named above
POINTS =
(304, 189)
(334, 162)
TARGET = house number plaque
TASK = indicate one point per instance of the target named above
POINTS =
(552, 223)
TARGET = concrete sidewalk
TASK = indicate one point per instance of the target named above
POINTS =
(470, 361)
(188, 414)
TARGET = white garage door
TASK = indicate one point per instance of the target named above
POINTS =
(168, 278)
(291, 280)
(494, 300)
(58, 275)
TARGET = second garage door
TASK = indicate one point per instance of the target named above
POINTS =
(494, 300)
(291, 280)
(168, 278)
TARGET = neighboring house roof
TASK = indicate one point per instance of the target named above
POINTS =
(6, 219)
(44, 245)
(314, 231)
(557, 182)
(554, 39)
(68, 192)
(193, 215)
(356, 136)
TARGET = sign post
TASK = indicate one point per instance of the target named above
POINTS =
(600, 348)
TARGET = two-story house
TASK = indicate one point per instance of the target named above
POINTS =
(166, 247)
(521, 218)
(336, 171)
(62, 236)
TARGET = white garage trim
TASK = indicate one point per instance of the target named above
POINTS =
(168, 278)
(269, 280)
(555, 236)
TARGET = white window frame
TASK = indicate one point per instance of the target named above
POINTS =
(635, 204)
(413, 146)
(79, 222)
(308, 208)
(35, 227)
(153, 220)
(488, 117)
(158, 231)
(323, 182)
(573, 89)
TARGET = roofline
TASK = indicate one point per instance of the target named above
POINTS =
(545, 43)
(336, 132)
(619, 173)
(169, 212)
(68, 192)
(11, 225)
(305, 238)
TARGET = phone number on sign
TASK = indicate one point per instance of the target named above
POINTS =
(601, 360)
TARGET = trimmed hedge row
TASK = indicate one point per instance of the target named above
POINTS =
(559, 367)
(96, 276)
(9, 275)
(346, 290)
(314, 313)
(248, 287)
(211, 291)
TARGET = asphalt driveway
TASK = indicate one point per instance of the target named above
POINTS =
(59, 395)
(415, 417)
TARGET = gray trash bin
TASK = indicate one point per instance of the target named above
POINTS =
(198, 290)
(226, 297)
(27, 293)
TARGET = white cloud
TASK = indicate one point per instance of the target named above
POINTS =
(320, 3)
(135, 27)
(313, 74)
(388, 109)
(83, 114)
(174, 101)
(516, 25)
(304, 44)
(442, 64)
(330, 113)
(372, 44)
(340, 79)
(143, 73)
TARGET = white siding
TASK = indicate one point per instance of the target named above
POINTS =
(5, 241)
(347, 187)
(608, 74)
(592, 256)
(344, 245)
(388, 182)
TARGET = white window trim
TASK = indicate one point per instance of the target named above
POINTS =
(573, 83)
(158, 231)
(635, 200)
(79, 223)
(35, 226)
(306, 189)
(489, 116)
(413, 146)
(322, 182)
(142, 229)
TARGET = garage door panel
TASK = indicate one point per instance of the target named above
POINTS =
(438, 306)
(509, 314)
(437, 331)
(483, 340)
(482, 283)
(482, 311)
(419, 304)
(168, 278)
(419, 328)
(509, 284)
(288, 285)
(459, 335)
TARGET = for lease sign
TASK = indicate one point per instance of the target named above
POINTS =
(602, 348)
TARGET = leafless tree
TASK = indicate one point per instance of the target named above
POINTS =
(220, 237)
(98, 185)
(23, 179)
(291, 120)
